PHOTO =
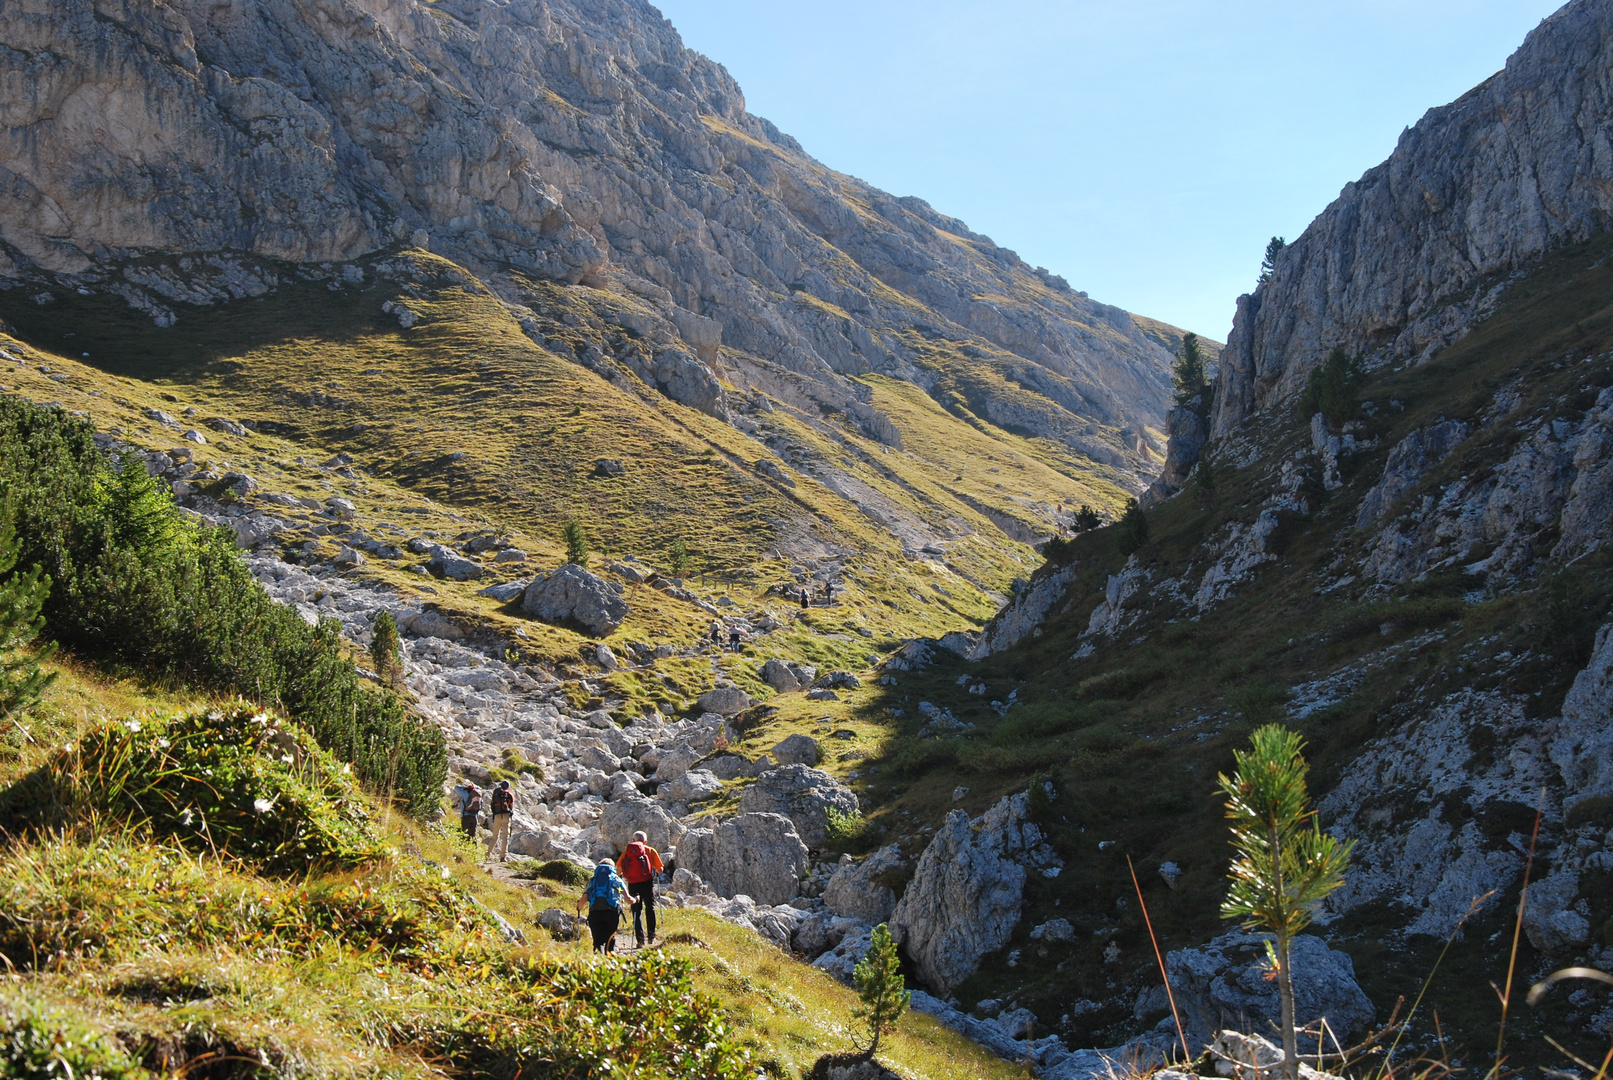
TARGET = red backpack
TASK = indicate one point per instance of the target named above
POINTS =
(636, 863)
(503, 801)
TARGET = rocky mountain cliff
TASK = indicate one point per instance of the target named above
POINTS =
(179, 153)
(1417, 249)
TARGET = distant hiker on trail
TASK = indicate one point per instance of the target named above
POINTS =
(716, 636)
(828, 593)
(733, 640)
(639, 864)
(470, 808)
(604, 895)
(806, 599)
(503, 807)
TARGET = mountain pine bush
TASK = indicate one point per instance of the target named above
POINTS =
(21, 597)
(234, 781)
(134, 585)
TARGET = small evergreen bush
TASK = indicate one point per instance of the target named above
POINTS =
(576, 542)
(884, 994)
(1334, 387)
(22, 596)
(235, 781)
(386, 649)
(1131, 532)
(133, 584)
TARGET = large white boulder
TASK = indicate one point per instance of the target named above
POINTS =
(572, 594)
(758, 855)
(801, 794)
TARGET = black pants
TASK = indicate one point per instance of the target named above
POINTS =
(468, 823)
(644, 910)
(602, 923)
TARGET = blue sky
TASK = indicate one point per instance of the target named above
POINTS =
(1145, 149)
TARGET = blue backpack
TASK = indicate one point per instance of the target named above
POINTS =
(601, 891)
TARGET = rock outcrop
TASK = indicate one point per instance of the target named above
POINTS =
(862, 890)
(184, 153)
(965, 896)
(757, 855)
(804, 795)
(1224, 983)
(572, 594)
(1414, 251)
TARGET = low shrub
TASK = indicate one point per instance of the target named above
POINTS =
(848, 831)
(41, 1043)
(132, 583)
(235, 781)
(563, 871)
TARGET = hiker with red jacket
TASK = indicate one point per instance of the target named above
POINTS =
(639, 864)
(503, 809)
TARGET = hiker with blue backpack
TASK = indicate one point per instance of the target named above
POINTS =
(604, 896)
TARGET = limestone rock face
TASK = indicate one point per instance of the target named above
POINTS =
(758, 855)
(557, 140)
(803, 795)
(1223, 983)
(798, 749)
(1582, 746)
(964, 899)
(572, 594)
(1477, 188)
(621, 819)
(1187, 433)
(856, 891)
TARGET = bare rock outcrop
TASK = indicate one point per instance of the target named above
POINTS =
(802, 794)
(1224, 983)
(1411, 253)
(572, 594)
(965, 897)
(757, 855)
(189, 152)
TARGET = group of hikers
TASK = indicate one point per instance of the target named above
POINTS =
(630, 879)
(828, 595)
(469, 799)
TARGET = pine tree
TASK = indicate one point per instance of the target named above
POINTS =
(1268, 265)
(1087, 519)
(1189, 374)
(879, 982)
(1284, 865)
(22, 596)
(386, 649)
(1132, 531)
(680, 557)
(576, 542)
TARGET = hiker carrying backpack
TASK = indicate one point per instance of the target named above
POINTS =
(639, 864)
(603, 896)
(470, 810)
(503, 808)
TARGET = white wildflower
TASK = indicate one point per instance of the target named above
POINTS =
(134, 725)
(263, 806)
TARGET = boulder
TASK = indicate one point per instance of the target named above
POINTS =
(621, 819)
(572, 594)
(727, 766)
(801, 794)
(838, 680)
(798, 750)
(849, 1066)
(965, 896)
(786, 677)
(448, 563)
(696, 785)
(505, 591)
(861, 890)
(674, 763)
(842, 960)
(758, 855)
(724, 701)
(1054, 931)
(1224, 983)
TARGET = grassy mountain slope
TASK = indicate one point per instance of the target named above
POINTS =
(134, 955)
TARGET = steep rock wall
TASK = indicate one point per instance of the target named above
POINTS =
(564, 140)
(1410, 254)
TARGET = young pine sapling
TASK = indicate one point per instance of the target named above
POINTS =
(1284, 865)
